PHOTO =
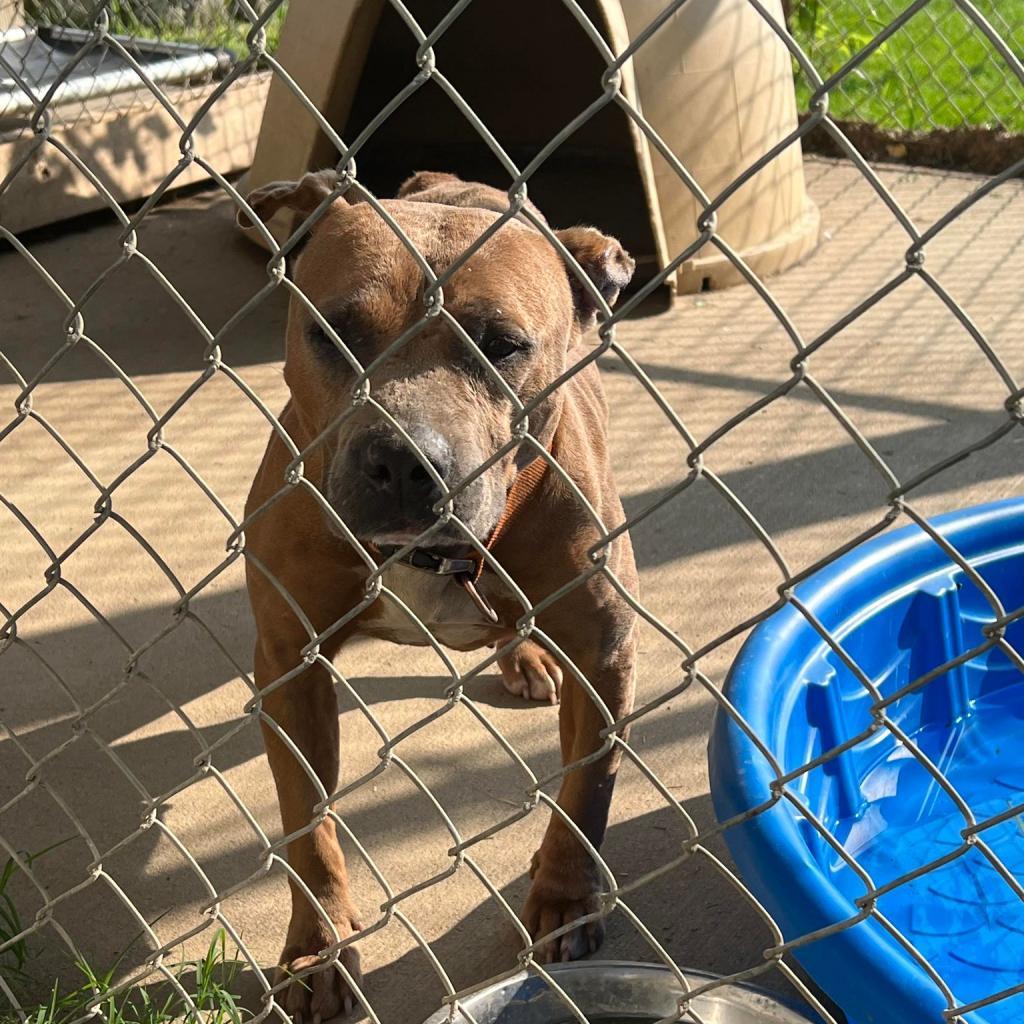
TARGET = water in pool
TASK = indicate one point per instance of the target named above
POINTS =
(963, 917)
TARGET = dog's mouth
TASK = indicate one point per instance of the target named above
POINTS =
(392, 542)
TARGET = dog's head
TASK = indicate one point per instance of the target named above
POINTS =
(514, 297)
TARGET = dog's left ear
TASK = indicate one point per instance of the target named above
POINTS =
(606, 263)
(302, 196)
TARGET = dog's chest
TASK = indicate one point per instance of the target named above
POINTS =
(440, 603)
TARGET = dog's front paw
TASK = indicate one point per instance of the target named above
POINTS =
(324, 993)
(531, 672)
(558, 898)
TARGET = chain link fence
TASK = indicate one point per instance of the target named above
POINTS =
(182, 47)
(44, 772)
(937, 73)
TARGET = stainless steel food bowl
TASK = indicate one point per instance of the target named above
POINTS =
(620, 991)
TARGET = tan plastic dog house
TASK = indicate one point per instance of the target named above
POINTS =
(714, 82)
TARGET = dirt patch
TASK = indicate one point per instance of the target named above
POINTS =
(981, 150)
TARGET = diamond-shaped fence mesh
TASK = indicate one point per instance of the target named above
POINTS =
(108, 534)
(937, 73)
(179, 47)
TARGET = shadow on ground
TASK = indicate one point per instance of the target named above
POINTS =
(913, 379)
(693, 911)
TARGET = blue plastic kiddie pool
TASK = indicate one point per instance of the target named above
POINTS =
(900, 607)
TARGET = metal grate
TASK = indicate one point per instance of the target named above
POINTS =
(183, 47)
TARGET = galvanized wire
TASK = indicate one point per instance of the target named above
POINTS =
(944, 80)
(188, 45)
(101, 28)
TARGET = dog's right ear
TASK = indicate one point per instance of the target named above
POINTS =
(604, 261)
(302, 196)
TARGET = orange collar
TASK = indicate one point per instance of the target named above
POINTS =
(524, 487)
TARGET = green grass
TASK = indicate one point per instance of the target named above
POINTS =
(129, 18)
(137, 19)
(937, 71)
(209, 981)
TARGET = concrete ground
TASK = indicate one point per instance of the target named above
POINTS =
(907, 374)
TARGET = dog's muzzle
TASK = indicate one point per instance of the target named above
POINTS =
(387, 488)
(467, 571)
(400, 477)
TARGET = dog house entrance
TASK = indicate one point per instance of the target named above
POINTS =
(510, 68)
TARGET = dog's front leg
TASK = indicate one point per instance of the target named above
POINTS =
(305, 709)
(566, 882)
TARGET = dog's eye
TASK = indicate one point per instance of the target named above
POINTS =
(499, 347)
(322, 341)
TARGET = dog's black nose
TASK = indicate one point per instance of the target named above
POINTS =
(398, 475)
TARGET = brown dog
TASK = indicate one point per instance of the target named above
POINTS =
(527, 313)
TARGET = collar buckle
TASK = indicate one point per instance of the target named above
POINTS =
(465, 571)
(440, 566)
